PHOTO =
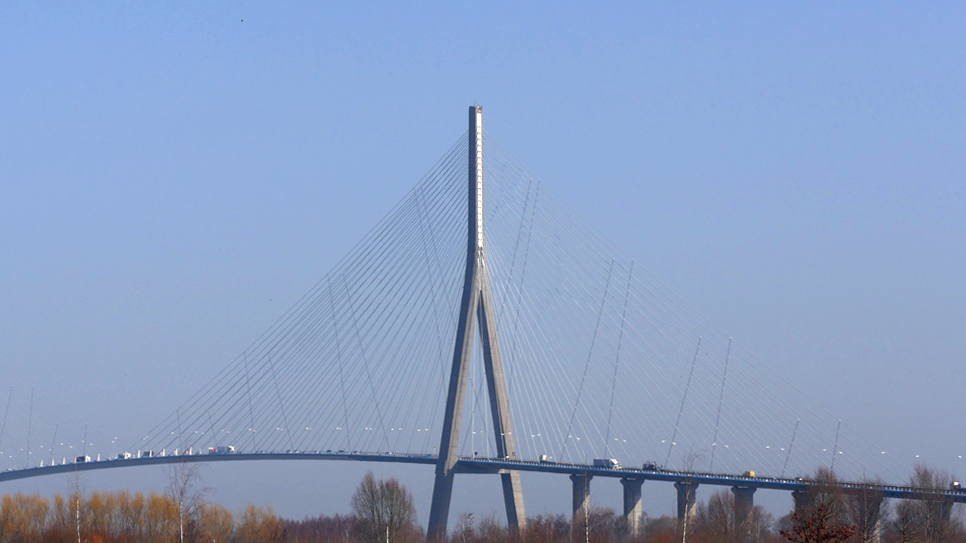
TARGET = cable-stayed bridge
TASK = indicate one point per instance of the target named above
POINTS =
(483, 327)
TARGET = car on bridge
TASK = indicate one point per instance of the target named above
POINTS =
(223, 449)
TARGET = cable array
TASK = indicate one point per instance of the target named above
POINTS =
(34, 430)
(603, 360)
(360, 362)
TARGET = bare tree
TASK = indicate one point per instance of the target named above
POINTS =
(715, 521)
(464, 529)
(689, 461)
(384, 510)
(866, 509)
(825, 489)
(906, 522)
(76, 499)
(759, 524)
(186, 494)
(931, 513)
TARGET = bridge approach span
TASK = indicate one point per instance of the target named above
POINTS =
(194, 458)
(491, 465)
(480, 465)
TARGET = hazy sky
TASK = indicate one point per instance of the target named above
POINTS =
(173, 178)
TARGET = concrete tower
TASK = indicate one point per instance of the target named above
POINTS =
(476, 311)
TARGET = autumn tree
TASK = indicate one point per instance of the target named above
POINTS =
(23, 517)
(819, 525)
(821, 521)
(125, 517)
(215, 523)
(258, 525)
(663, 529)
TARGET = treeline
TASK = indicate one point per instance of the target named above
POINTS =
(126, 517)
(604, 526)
(383, 510)
(825, 515)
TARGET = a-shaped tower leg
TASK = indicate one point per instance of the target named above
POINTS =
(476, 310)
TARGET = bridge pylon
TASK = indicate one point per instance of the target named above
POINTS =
(476, 310)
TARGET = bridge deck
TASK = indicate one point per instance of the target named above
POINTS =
(496, 465)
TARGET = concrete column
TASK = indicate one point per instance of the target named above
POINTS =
(947, 509)
(581, 501)
(803, 499)
(686, 502)
(632, 505)
(744, 501)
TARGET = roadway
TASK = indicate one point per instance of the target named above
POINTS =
(482, 465)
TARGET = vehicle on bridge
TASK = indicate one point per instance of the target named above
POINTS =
(123, 456)
(82, 458)
(607, 463)
(650, 466)
(223, 449)
(545, 459)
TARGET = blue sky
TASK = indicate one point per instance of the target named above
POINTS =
(174, 177)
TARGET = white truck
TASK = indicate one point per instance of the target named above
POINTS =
(607, 463)
(223, 449)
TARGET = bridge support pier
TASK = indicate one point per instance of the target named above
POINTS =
(803, 500)
(744, 501)
(581, 497)
(632, 506)
(687, 507)
(947, 509)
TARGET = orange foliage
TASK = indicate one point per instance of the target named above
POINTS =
(126, 517)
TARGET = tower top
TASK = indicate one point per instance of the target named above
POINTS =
(476, 176)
